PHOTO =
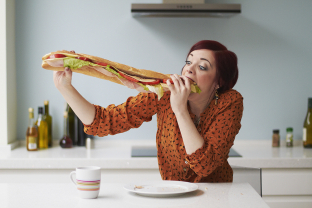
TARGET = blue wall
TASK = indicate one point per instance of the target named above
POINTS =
(272, 39)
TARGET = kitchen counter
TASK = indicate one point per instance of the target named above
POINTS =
(33, 195)
(285, 172)
(117, 155)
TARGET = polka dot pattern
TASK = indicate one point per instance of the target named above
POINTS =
(219, 124)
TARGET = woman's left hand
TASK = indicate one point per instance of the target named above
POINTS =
(180, 92)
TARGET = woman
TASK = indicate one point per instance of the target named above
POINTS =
(195, 131)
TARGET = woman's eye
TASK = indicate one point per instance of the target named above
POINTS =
(187, 62)
(202, 68)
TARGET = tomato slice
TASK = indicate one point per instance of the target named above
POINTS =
(84, 58)
(127, 77)
(56, 56)
(102, 64)
(165, 81)
(157, 81)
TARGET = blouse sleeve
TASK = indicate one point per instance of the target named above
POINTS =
(218, 140)
(117, 119)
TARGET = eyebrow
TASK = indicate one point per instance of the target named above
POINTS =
(203, 59)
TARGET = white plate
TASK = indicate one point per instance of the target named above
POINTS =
(161, 188)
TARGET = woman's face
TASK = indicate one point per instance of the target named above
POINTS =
(200, 67)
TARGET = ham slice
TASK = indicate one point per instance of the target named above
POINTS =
(104, 71)
(132, 85)
(55, 62)
(127, 83)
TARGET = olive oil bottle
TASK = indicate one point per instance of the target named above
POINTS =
(31, 133)
(48, 118)
(71, 124)
(307, 127)
(42, 130)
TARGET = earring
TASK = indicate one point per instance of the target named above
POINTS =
(216, 97)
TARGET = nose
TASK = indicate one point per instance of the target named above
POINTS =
(190, 70)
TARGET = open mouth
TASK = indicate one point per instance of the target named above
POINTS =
(190, 78)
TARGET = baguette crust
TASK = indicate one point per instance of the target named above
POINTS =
(84, 70)
(92, 72)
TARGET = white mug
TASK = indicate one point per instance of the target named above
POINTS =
(88, 180)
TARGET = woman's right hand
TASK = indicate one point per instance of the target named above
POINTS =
(62, 79)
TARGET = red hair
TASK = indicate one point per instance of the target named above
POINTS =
(226, 63)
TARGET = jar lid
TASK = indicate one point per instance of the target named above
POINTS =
(289, 129)
(276, 131)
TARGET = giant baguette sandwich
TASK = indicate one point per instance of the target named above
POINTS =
(109, 70)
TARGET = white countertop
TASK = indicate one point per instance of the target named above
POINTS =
(33, 195)
(116, 154)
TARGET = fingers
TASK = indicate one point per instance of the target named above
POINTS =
(68, 72)
(187, 82)
(176, 80)
(175, 85)
(170, 85)
(57, 73)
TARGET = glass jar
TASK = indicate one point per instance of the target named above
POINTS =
(289, 137)
(276, 138)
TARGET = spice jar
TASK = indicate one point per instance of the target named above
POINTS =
(289, 137)
(276, 138)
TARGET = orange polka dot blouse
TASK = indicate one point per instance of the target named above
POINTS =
(219, 124)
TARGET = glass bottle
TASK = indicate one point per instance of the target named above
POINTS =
(42, 130)
(81, 134)
(31, 133)
(307, 127)
(48, 119)
(289, 137)
(276, 138)
(71, 124)
(66, 141)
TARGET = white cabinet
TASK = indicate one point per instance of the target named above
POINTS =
(287, 187)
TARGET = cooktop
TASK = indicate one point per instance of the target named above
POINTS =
(151, 151)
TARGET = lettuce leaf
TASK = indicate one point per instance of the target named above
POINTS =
(195, 89)
(158, 89)
(143, 85)
(113, 71)
(74, 63)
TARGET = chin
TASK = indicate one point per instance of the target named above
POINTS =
(192, 96)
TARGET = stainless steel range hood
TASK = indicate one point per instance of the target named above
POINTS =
(185, 10)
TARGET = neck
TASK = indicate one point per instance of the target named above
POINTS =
(198, 103)
(199, 106)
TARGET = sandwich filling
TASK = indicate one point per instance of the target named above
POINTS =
(148, 84)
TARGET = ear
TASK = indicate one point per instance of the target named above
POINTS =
(220, 83)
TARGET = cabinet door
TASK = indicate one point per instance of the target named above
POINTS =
(287, 181)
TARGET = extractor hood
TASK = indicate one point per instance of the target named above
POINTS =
(185, 10)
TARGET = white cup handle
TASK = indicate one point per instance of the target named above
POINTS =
(71, 177)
